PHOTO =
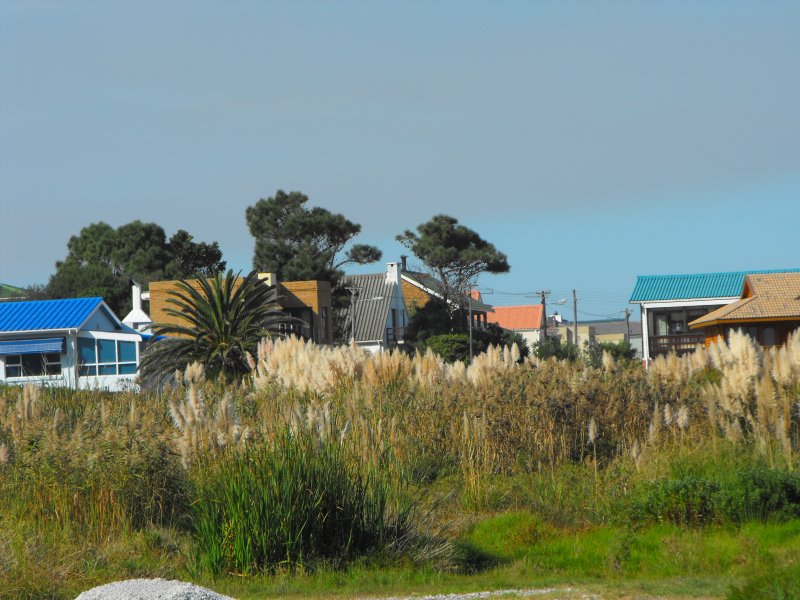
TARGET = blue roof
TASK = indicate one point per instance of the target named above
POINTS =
(651, 288)
(41, 315)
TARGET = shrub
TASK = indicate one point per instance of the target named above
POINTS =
(287, 503)
(687, 501)
(450, 346)
(755, 493)
(761, 493)
(553, 348)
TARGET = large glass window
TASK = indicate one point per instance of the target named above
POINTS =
(30, 365)
(106, 357)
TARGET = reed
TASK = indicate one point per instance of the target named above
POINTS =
(563, 438)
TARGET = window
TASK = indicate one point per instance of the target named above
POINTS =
(106, 357)
(661, 326)
(29, 365)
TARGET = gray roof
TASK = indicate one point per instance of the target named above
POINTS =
(608, 326)
(373, 301)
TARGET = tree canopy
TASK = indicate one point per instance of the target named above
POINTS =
(100, 260)
(300, 243)
(431, 325)
(454, 254)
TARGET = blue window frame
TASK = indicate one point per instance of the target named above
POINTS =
(106, 357)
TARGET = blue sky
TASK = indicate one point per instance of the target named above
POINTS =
(589, 141)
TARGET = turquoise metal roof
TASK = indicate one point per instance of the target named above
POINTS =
(41, 315)
(652, 288)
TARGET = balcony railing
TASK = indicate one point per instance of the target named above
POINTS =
(395, 335)
(679, 344)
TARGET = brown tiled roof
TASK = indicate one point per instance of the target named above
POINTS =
(765, 296)
(517, 317)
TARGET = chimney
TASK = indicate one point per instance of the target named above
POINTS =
(136, 292)
(403, 259)
(393, 273)
(269, 278)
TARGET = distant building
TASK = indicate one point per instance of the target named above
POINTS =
(616, 331)
(564, 330)
(526, 320)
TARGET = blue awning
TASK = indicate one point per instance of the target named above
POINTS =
(39, 346)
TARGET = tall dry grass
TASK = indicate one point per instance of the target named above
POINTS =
(96, 464)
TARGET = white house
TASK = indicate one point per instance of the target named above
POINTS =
(76, 342)
(377, 317)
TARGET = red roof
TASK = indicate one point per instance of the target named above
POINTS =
(517, 317)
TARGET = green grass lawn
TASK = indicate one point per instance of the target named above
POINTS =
(515, 551)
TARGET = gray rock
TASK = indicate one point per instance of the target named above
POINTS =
(151, 589)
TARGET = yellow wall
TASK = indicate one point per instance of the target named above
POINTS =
(314, 295)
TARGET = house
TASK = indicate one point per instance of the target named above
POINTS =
(419, 288)
(526, 320)
(668, 303)
(564, 330)
(617, 330)
(768, 310)
(377, 315)
(309, 301)
(76, 343)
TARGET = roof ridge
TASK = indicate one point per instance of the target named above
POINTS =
(742, 272)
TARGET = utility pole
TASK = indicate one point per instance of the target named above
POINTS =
(469, 304)
(628, 324)
(353, 293)
(543, 294)
(575, 317)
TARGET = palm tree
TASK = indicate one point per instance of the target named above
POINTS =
(217, 325)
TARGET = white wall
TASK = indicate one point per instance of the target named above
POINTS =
(69, 358)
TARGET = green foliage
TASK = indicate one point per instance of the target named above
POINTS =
(494, 335)
(100, 260)
(454, 254)
(551, 347)
(219, 326)
(193, 258)
(508, 535)
(450, 346)
(429, 320)
(619, 350)
(298, 243)
(434, 319)
(774, 583)
(754, 493)
(286, 505)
